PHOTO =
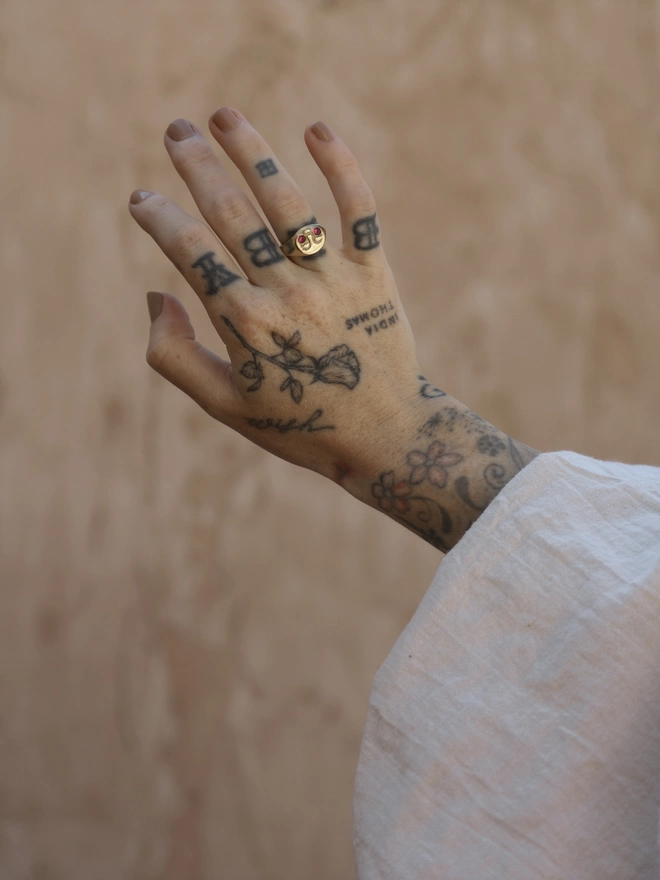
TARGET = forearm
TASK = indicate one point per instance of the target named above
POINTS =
(442, 471)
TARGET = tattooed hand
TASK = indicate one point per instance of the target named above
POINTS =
(322, 369)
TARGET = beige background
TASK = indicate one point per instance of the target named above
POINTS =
(188, 627)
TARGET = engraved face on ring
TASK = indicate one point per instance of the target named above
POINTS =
(310, 239)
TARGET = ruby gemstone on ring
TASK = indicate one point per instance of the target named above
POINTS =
(317, 231)
(302, 239)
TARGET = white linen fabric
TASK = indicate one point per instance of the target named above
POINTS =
(513, 732)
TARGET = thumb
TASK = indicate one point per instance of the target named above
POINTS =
(178, 357)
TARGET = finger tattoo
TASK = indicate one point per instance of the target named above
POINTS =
(263, 249)
(365, 233)
(266, 168)
(216, 275)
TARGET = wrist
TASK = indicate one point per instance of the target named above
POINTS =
(435, 468)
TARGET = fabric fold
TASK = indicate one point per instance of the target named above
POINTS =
(514, 729)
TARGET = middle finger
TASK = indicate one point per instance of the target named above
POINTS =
(280, 197)
(224, 205)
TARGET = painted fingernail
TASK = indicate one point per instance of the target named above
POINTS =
(179, 130)
(139, 196)
(322, 131)
(154, 304)
(226, 119)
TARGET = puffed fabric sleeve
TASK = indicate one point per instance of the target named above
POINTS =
(513, 731)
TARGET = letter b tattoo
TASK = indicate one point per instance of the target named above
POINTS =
(365, 232)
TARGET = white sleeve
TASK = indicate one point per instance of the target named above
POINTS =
(513, 732)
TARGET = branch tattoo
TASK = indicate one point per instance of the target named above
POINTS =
(339, 366)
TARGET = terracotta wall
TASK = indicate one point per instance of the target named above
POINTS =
(189, 628)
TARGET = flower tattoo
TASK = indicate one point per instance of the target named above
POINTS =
(391, 495)
(490, 445)
(339, 366)
(431, 465)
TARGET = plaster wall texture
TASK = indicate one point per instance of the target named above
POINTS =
(189, 627)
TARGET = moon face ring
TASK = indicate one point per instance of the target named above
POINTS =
(305, 242)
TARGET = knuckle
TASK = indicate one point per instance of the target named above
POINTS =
(227, 209)
(362, 206)
(289, 204)
(195, 156)
(243, 313)
(158, 353)
(344, 164)
(189, 236)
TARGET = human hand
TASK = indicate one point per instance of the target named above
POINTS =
(322, 368)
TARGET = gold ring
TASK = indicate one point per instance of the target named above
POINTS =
(305, 241)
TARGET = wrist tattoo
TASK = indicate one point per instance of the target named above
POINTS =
(451, 418)
(440, 491)
(424, 514)
(429, 391)
(339, 366)
(216, 275)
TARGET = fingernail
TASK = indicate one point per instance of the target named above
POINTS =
(179, 130)
(154, 304)
(226, 119)
(139, 196)
(322, 131)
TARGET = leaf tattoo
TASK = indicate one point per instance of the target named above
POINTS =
(339, 366)
(252, 370)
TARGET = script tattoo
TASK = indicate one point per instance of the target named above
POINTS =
(266, 168)
(282, 427)
(263, 249)
(429, 391)
(216, 275)
(339, 366)
(365, 233)
(370, 318)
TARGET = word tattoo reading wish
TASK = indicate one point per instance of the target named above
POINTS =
(263, 249)
(370, 319)
(365, 233)
(282, 427)
(215, 274)
(266, 168)
(339, 366)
